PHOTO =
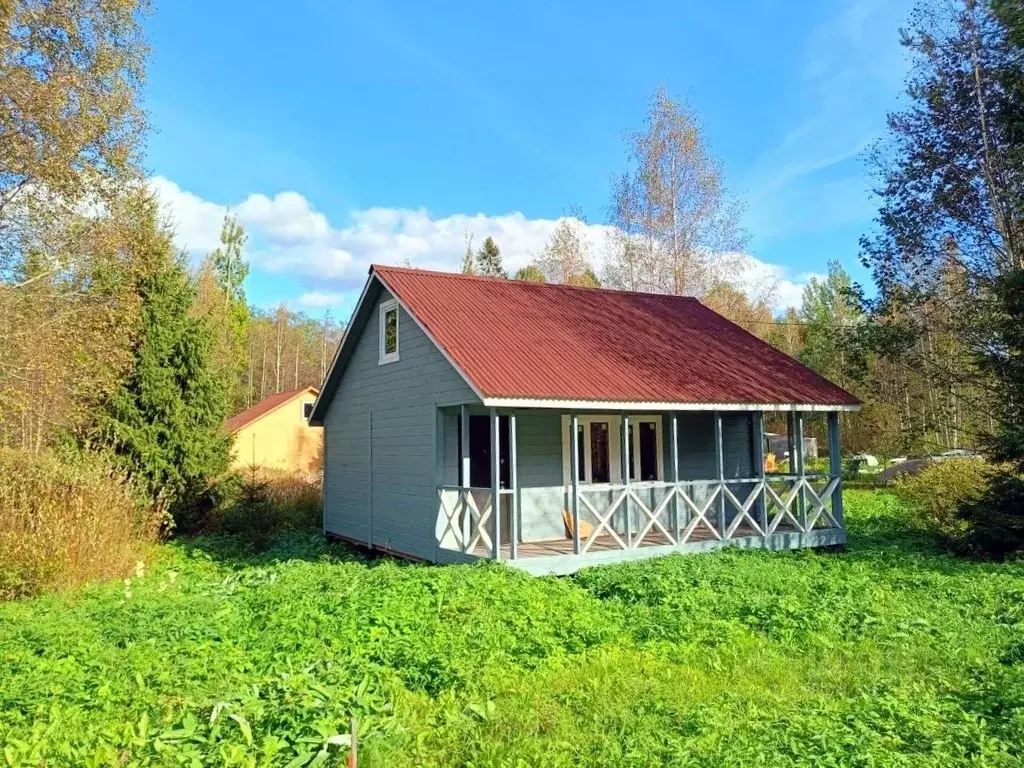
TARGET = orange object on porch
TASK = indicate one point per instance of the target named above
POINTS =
(585, 528)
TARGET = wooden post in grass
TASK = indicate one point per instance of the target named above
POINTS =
(353, 755)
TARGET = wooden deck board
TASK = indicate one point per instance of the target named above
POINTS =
(605, 542)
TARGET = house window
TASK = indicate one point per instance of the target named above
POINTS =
(600, 446)
(388, 332)
(645, 449)
(307, 410)
(600, 456)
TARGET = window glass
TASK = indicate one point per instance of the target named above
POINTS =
(307, 410)
(648, 451)
(390, 331)
(599, 462)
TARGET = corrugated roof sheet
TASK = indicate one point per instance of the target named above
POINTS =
(516, 339)
(264, 407)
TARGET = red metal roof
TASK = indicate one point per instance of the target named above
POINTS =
(264, 407)
(517, 339)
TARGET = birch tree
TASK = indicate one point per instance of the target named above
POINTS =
(675, 227)
(71, 131)
(566, 255)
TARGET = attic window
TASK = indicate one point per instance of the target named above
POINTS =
(388, 332)
(307, 410)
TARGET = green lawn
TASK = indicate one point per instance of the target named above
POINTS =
(890, 654)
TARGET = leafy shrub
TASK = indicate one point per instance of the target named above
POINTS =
(66, 520)
(938, 492)
(995, 518)
(268, 503)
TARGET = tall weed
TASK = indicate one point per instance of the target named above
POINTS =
(268, 503)
(66, 521)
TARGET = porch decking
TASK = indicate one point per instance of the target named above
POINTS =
(557, 558)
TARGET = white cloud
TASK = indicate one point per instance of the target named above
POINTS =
(196, 222)
(288, 236)
(776, 284)
(782, 288)
(320, 299)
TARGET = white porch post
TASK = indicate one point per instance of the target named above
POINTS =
(464, 475)
(799, 439)
(496, 482)
(758, 432)
(626, 467)
(835, 463)
(513, 476)
(674, 453)
(720, 470)
(574, 479)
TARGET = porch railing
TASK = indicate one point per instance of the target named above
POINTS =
(657, 513)
(466, 519)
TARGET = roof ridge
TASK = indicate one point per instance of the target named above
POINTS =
(512, 280)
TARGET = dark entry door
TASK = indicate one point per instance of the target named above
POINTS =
(480, 451)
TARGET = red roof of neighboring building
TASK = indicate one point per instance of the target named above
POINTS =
(264, 407)
(525, 340)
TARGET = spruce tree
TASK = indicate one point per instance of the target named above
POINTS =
(164, 423)
(488, 259)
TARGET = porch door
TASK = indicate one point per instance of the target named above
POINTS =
(480, 461)
(480, 451)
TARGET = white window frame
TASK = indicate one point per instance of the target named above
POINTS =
(634, 441)
(614, 447)
(385, 357)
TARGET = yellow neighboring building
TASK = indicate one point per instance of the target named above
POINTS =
(275, 434)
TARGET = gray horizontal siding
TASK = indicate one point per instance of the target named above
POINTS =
(697, 445)
(380, 488)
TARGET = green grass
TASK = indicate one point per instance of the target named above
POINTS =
(892, 653)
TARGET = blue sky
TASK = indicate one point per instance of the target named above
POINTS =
(345, 133)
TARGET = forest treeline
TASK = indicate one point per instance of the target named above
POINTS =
(118, 352)
(119, 355)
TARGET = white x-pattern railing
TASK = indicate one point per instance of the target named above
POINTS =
(465, 515)
(646, 514)
(763, 507)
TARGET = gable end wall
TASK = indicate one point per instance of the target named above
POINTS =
(380, 429)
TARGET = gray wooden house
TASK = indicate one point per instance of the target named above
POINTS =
(553, 427)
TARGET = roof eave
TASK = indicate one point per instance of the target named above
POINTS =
(632, 405)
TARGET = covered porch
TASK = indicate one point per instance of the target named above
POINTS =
(552, 492)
